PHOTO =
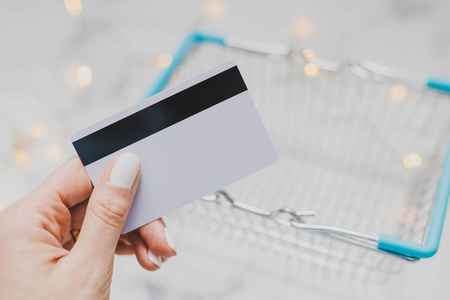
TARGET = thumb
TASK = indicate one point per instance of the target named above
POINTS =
(108, 209)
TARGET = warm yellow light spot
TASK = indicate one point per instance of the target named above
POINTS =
(37, 131)
(54, 152)
(303, 28)
(309, 55)
(412, 160)
(84, 75)
(214, 9)
(20, 155)
(410, 218)
(163, 60)
(311, 69)
(403, 210)
(73, 7)
(407, 214)
(398, 92)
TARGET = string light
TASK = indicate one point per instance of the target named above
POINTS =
(304, 28)
(37, 131)
(214, 9)
(73, 7)
(84, 75)
(412, 160)
(163, 60)
(309, 55)
(311, 69)
(54, 152)
(20, 155)
(398, 92)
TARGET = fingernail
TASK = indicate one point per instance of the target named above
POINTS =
(125, 170)
(170, 240)
(154, 258)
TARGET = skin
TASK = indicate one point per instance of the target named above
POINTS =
(38, 258)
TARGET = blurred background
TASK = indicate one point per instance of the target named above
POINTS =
(67, 64)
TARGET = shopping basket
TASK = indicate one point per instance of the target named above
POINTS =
(364, 168)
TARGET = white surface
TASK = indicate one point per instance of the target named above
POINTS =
(120, 41)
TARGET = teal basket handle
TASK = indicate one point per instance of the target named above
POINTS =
(431, 245)
(185, 47)
(440, 84)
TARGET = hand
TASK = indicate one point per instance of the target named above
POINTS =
(38, 258)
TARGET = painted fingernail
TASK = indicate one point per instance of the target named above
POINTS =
(170, 240)
(154, 258)
(125, 170)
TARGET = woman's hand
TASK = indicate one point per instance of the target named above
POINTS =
(38, 257)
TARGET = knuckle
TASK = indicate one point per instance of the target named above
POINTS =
(110, 209)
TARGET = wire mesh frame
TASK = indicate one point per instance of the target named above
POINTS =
(315, 123)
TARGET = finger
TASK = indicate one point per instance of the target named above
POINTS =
(124, 249)
(107, 210)
(68, 244)
(69, 183)
(158, 239)
(77, 214)
(126, 238)
(146, 258)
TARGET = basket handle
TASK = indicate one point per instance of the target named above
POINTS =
(431, 245)
(190, 40)
(440, 84)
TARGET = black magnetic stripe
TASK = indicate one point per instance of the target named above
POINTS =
(160, 115)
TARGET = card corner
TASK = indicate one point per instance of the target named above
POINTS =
(230, 63)
(73, 138)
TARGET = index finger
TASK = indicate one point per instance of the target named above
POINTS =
(69, 183)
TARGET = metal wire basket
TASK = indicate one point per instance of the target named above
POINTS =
(361, 178)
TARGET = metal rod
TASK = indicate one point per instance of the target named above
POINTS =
(361, 239)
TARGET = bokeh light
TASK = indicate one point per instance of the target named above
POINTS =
(407, 214)
(37, 131)
(412, 160)
(84, 75)
(309, 55)
(398, 93)
(20, 155)
(73, 7)
(164, 60)
(54, 152)
(304, 28)
(214, 9)
(311, 69)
